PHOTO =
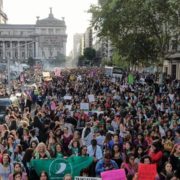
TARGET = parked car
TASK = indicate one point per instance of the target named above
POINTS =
(5, 102)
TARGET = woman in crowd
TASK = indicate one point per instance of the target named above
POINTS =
(66, 139)
(139, 153)
(58, 152)
(74, 147)
(130, 166)
(117, 155)
(18, 169)
(18, 153)
(155, 152)
(28, 155)
(43, 176)
(167, 173)
(175, 159)
(6, 167)
(41, 152)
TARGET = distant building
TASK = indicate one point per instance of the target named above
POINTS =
(44, 40)
(78, 45)
(171, 64)
(103, 47)
(3, 16)
(88, 38)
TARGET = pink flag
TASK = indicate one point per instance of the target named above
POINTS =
(118, 174)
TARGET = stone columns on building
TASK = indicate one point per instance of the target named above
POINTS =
(11, 50)
(36, 50)
(26, 46)
(18, 49)
(4, 50)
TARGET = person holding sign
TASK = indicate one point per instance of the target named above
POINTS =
(106, 164)
(129, 166)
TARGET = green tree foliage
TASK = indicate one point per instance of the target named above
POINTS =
(139, 29)
(89, 53)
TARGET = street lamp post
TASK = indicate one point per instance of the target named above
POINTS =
(9, 74)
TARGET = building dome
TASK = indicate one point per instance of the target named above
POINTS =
(50, 21)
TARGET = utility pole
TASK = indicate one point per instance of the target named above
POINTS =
(9, 74)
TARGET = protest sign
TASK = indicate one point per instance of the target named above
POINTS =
(84, 106)
(68, 107)
(57, 71)
(91, 98)
(147, 171)
(67, 97)
(113, 80)
(118, 174)
(46, 74)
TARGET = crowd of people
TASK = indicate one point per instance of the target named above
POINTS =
(124, 124)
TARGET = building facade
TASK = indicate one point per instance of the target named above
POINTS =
(42, 41)
(78, 43)
(88, 39)
(171, 65)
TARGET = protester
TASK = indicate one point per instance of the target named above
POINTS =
(6, 167)
(105, 164)
(67, 177)
(44, 176)
(167, 173)
(130, 166)
(18, 169)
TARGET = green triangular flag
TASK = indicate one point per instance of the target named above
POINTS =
(130, 79)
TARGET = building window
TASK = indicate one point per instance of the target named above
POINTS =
(174, 45)
(23, 55)
(7, 44)
(58, 31)
(166, 70)
(43, 31)
(173, 71)
(50, 31)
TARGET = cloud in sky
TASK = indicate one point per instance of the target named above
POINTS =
(74, 11)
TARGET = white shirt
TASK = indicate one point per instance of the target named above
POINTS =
(96, 152)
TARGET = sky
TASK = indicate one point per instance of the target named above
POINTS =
(74, 12)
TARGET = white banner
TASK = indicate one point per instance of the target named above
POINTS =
(91, 98)
(84, 106)
(67, 97)
(86, 178)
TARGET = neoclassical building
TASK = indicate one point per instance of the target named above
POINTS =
(44, 40)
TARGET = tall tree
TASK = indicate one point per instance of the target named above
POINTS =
(89, 53)
(139, 29)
